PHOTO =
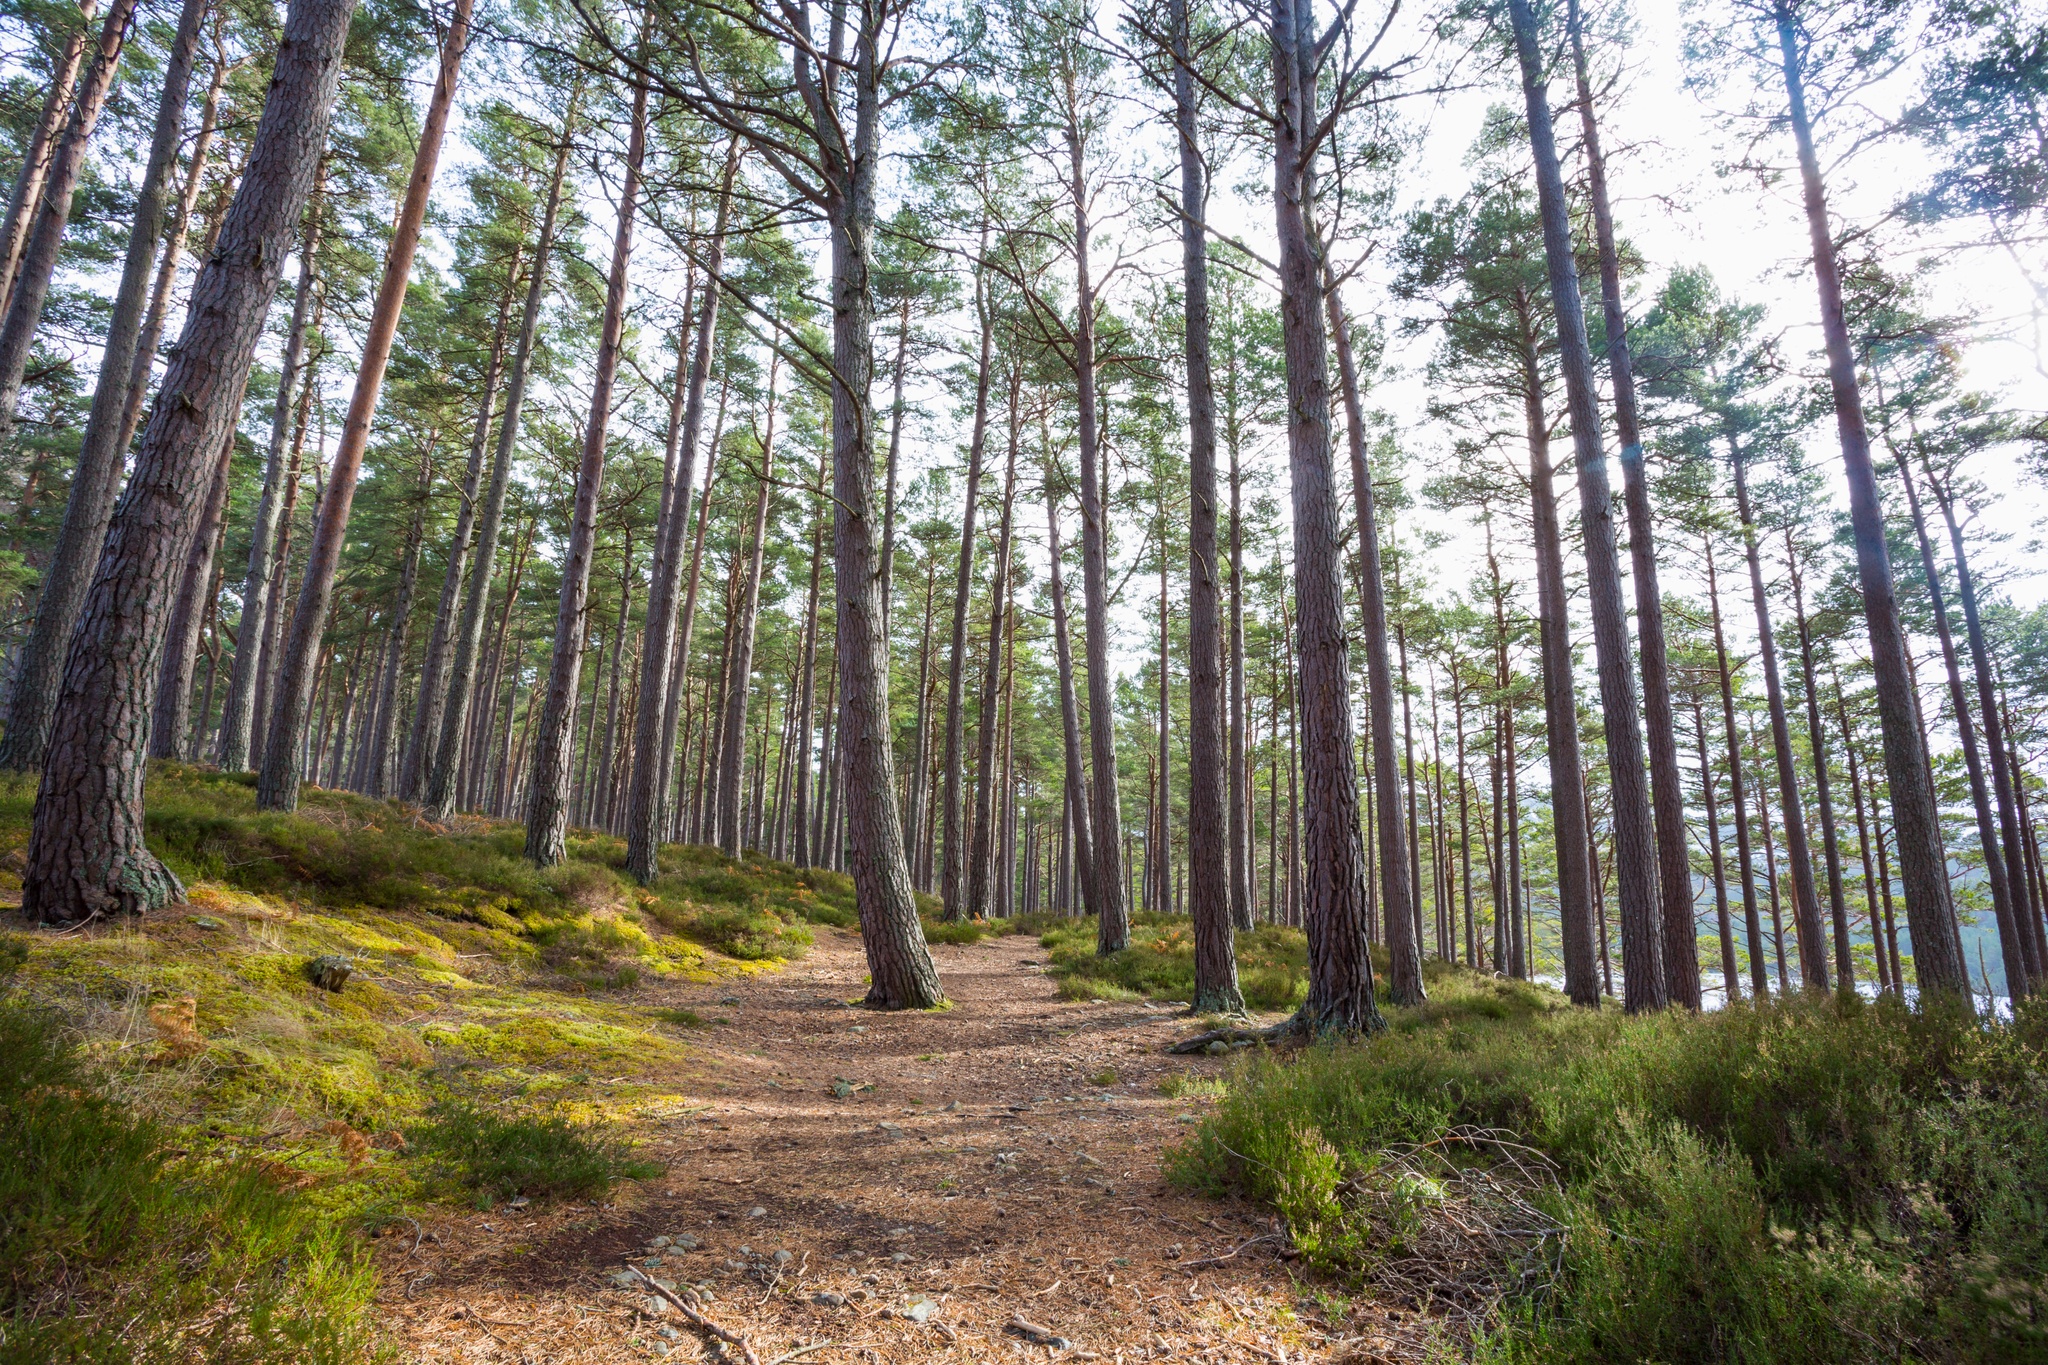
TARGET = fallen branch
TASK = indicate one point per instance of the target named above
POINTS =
(1044, 1336)
(1286, 1028)
(1229, 1255)
(801, 1351)
(689, 1311)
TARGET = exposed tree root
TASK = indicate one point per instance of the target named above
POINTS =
(1286, 1028)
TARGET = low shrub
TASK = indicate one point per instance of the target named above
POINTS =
(1272, 962)
(1807, 1180)
(499, 1156)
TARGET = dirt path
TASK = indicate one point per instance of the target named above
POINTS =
(930, 1177)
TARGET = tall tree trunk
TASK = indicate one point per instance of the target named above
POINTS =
(889, 478)
(426, 724)
(920, 743)
(277, 785)
(438, 797)
(1560, 700)
(1644, 985)
(1210, 856)
(86, 854)
(1817, 743)
(601, 809)
(900, 969)
(661, 674)
(173, 715)
(1745, 862)
(740, 669)
(1885, 980)
(1340, 987)
(665, 801)
(987, 791)
(96, 478)
(259, 584)
(376, 779)
(1923, 864)
(1113, 925)
(31, 283)
(1667, 795)
(1397, 886)
(953, 860)
(35, 161)
(1731, 979)
(547, 816)
(1806, 921)
(1242, 857)
(1081, 845)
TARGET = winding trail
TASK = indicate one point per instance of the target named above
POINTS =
(931, 1177)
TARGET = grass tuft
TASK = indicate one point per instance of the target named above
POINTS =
(499, 1156)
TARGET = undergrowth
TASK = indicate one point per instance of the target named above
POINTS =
(1272, 962)
(1809, 1180)
(499, 1156)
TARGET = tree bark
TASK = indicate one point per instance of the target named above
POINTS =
(1081, 844)
(35, 161)
(1806, 921)
(1752, 920)
(1397, 887)
(425, 730)
(86, 856)
(173, 715)
(1644, 984)
(1667, 794)
(547, 816)
(30, 285)
(987, 809)
(660, 674)
(952, 855)
(1211, 879)
(1817, 743)
(96, 478)
(277, 785)
(259, 584)
(740, 669)
(1340, 988)
(1923, 865)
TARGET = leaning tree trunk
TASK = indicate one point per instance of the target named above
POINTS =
(1923, 864)
(31, 284)
(438, 797)
(1333, 909)
(659, 674)
(1397, 886)
(1994, 739)
(953, 862)
(173, 717)
(277, 785)
(900, 969)
(740, 669)
(86, 855)
(1075, 778)
(35, 161)
(1806, 921)
(1209, 855)
(1635, 845)
(547, 815)
(1667, 794)
(96, 479)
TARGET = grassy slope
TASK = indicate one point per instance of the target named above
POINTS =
(191, 1052)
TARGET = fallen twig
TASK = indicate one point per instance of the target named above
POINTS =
(1231, 1254)
(801, 1351)
(689, 1311)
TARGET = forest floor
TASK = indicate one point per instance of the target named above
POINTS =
(935, 1179)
